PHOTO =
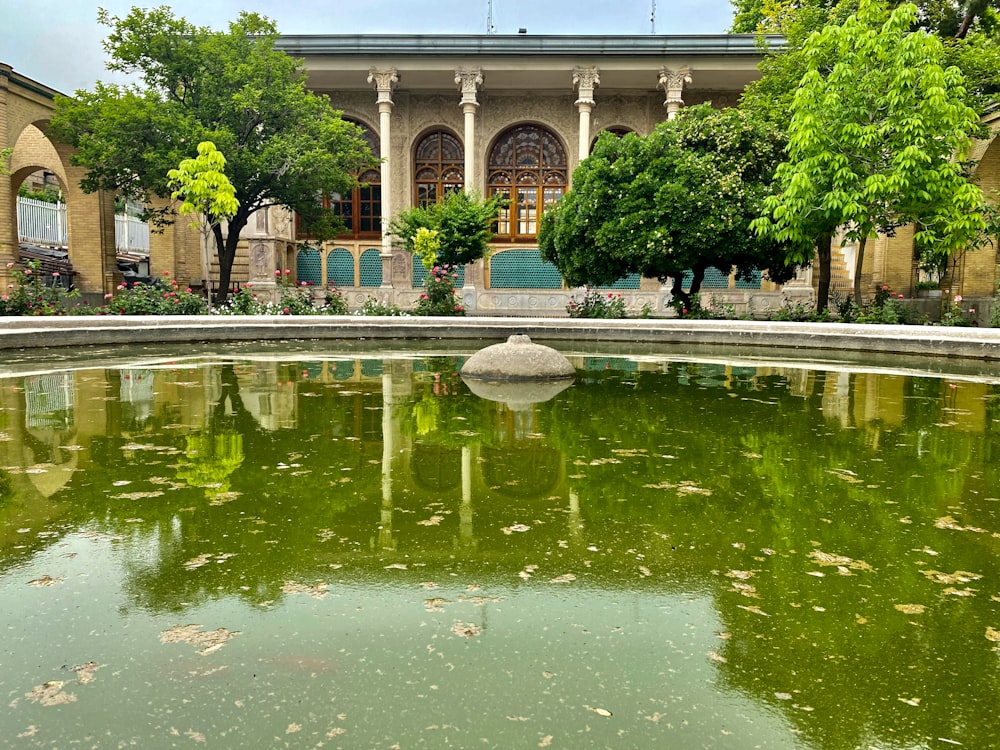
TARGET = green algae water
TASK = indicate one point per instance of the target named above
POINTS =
(354, 551)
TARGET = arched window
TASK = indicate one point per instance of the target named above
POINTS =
(617, 130)
(361, 211)
(527, 165)
(438, 167)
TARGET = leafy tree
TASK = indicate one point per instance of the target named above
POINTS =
(948, 18)
(284, 144)
(770, 97)
(872, 140)
(463, 223)
(679, 199)
(203, 188)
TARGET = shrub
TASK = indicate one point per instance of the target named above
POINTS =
(953, 314)
(597, 305)
(30, 294)
(155, 298)
(373, 307)
(439, 297)
(886, 308)
(334, 302)
(694, 310)
(245, 302)
(847, 311)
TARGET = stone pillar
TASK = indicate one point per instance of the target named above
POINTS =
(469, 82)
(585, 80)
(91, 219)
(9, 251)
(385, 81)
(672, 82)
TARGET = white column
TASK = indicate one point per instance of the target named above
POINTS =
(385, 81)
(469, 82)
(672, 82)
(586, 80)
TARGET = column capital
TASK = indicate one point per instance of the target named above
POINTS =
(384, 81)
(586, 80)
(468, 82)
(672, 82)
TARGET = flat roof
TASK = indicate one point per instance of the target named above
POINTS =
(528, 45)
(337, 62)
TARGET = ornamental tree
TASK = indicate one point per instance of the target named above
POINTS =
(203, 188)
(463, 224)
(873, 140)
(284, 145)
(679, 199)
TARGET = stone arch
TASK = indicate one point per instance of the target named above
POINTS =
(27, 107)
(619, 130)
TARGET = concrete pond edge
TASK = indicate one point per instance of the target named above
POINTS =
(77, 332)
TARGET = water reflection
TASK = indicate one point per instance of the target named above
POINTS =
(718, 554)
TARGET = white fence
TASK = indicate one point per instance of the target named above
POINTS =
(41, 223)
(131, 234)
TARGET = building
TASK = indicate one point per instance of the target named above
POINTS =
(493, 114)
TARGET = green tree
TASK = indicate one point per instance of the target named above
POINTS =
(284, 144)
(948, 18)
(463, 223)
(679, 199)
(203, 188)
(873, 140)
(977, 54)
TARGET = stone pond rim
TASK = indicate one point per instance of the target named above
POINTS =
(518, 359)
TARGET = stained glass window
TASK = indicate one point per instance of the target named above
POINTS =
(527, 166)
(439, 167)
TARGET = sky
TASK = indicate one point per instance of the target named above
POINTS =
(58, 42)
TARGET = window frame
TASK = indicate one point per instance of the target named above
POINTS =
(528, 176)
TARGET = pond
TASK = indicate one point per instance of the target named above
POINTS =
(347, 549)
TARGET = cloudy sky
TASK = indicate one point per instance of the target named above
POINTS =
(58, 42)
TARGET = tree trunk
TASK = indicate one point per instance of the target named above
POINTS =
(858, 265)
(680, 297)
(824, 253)
(697, 277)
(226, 248)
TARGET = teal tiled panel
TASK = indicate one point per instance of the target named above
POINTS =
(308, 266)
(340, 267)
(523, 269)
(714, 279)
(371, 267)
(752, 283)
(628, 282)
